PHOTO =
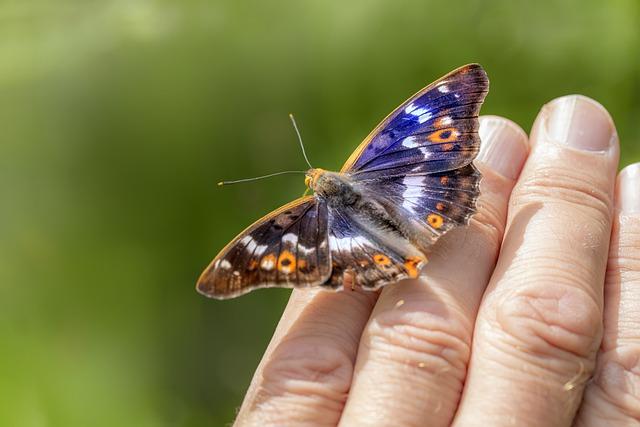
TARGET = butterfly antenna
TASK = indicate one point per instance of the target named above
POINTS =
(237, 181)
(295, 126)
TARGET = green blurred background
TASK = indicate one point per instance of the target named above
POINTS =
(117, 119)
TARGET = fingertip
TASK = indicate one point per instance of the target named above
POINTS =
(578, 122)
(504, 147)
(628, 195)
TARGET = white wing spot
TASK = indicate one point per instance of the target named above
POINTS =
(345, 242)
(418, 111)
(225, 264)
(267, 264)
(251, 246)
(424, 117)
(443, 88)
(446, 121)
(421, 113)
(425, 152)
(409, 108)
(305, 250)
(414, 186)
(410, 142)
(290, 238)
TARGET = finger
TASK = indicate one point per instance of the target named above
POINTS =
(613, 397)
(413, 354)
(305, 373)
(539, 325)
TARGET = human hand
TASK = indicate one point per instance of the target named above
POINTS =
(505, 325)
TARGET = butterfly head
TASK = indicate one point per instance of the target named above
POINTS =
(335, 187)
(311, 177)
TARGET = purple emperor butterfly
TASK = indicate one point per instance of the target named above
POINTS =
(374, 222)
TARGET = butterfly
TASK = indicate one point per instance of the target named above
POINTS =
(374, 222)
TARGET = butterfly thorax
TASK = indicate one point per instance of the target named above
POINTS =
(343, 194)
(336, 188)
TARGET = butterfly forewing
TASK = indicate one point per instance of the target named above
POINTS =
(433, 131)
(287, 248)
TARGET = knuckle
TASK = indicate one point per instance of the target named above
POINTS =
(565, 184)
(618, 380)
(552, 320)
(437, 343)
(490, 223)
(307, 366)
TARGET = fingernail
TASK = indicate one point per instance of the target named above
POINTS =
(629, 189)
(580, 122)
(504, 146)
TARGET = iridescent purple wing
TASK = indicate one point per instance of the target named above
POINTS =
(287, 248)
(419, 159)
(361, 260)
(433, 131)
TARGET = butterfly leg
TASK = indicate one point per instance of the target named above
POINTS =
(349, 279)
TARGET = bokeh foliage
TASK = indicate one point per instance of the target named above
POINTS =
(118, 117)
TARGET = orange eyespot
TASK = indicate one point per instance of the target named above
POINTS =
(435, 220)
(444, 180)
(412, 265)
(443, 135)
(286, 262)
(382, 260)
(440, 206)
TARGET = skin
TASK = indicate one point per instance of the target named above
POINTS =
(528, 316)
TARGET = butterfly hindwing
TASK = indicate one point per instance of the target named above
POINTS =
(360, 259)
(433, 131)
(287, 248)
(434, 202)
